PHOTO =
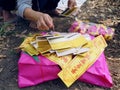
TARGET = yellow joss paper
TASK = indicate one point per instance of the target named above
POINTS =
(43, 46)
(73, 71)
(62, 61)
(27, 47)
(69, 11)
(78, 41)
(59, 43)
(68, 42)
(79, 65)
(87, 45)
(30, 50)
(26, 41)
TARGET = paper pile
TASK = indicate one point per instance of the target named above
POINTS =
(80, 64)
(73, 52)
(61, 44)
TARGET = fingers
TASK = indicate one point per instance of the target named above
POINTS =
(41, 25)
(49, 21)
(45, 22)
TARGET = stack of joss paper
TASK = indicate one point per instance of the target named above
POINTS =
(73, 52)
(59, 43)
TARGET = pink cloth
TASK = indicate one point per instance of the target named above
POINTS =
(32, 72)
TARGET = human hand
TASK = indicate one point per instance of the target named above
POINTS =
(71, 3)
(44, 21)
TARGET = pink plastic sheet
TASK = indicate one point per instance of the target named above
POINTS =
(98, 73)
(32, 72)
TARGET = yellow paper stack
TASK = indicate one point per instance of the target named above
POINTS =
(73, 52)
(61, 44)
(78, 65)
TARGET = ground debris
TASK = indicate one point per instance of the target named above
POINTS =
(3, 56)
(1, 39)
(1, 69)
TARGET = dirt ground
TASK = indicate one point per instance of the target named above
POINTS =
(106, 12)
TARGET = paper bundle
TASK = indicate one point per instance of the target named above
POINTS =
(62, 44)
(73, 52)
(80, 64)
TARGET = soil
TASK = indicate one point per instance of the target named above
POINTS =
(106, 12)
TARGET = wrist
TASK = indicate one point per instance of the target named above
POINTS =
(32, 15)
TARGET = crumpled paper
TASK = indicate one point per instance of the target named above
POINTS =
(93, 29)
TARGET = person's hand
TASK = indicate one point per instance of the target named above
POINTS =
(44, 21)
(71, 3)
